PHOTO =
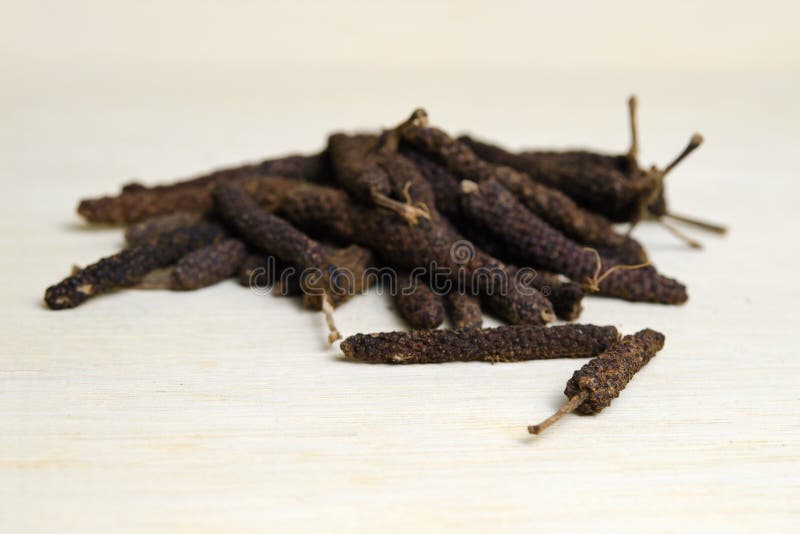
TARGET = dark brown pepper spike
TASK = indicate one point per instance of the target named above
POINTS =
(464, 309)
(418, 303)
(502, 344)
(274, 235)
(600, 381)
(128, 267)
(208, 265)
(592, 284)
(386, 149)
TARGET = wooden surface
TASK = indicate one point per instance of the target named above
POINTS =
(223, 410)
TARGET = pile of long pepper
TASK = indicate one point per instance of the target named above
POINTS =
(461, 225)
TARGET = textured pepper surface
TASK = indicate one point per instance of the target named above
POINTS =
(149, 228)
(603, 377)
(265, 231)
(541, 245)
(343, 275)
(355, 168)
(402, 246)
(137, 202)
(463, 309)
(208, 265)
(504, 343)
(551, 204)
(595, 181)
(417, 302)
(566, 296)
(131, 265)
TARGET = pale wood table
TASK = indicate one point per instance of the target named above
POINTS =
(223, 410)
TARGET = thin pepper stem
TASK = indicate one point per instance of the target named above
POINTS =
(633, 151)
(703, 225)
(694, 143)
(570, 405)
(680, 235)
(409, 212)
(592, 284)
(327, 310)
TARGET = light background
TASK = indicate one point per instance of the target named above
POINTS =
(223, 410)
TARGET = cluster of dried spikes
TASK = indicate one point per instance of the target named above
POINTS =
(409, 198)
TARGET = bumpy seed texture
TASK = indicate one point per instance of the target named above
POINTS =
(601, 380)
(596, 181)
(208, 265)
(137, 205)
(565, 296)
(501, 344)
(323, 210)
(464, 310)
(444, 185)
(417, 303)
(149, 228)
(341, 276)
(131, 265)
(404, 246)
(551, 204)
(137, 202)
(265, 231)
(355, 169)
(540, 245)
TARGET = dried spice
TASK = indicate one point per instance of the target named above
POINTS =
(149, 228)
(442, 182)
(139, 204)
(257, 270)
(343, 274)
(130, 265)
(417, 303)
(265, 231)
(463, 309)
(613, 185)
(565, 296)
(360, 166)
(551, 204)
(600, 381)
(299, 167)
(491, 205)
(274, 235)
(501, 344)
(431, 242)
(208, 265)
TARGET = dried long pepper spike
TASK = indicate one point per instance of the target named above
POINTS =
(208, 265)
(600, 381)
(501, 344)
(272, 234)
(359, 164)
(417, 302)
(312, 167)
(614, 185)
(551, 204)
(592, 284)
(403, 246)
(463, 309)
(490, 204)
(131, 265)
(149, 228)
(140, 203)
(265, 231)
